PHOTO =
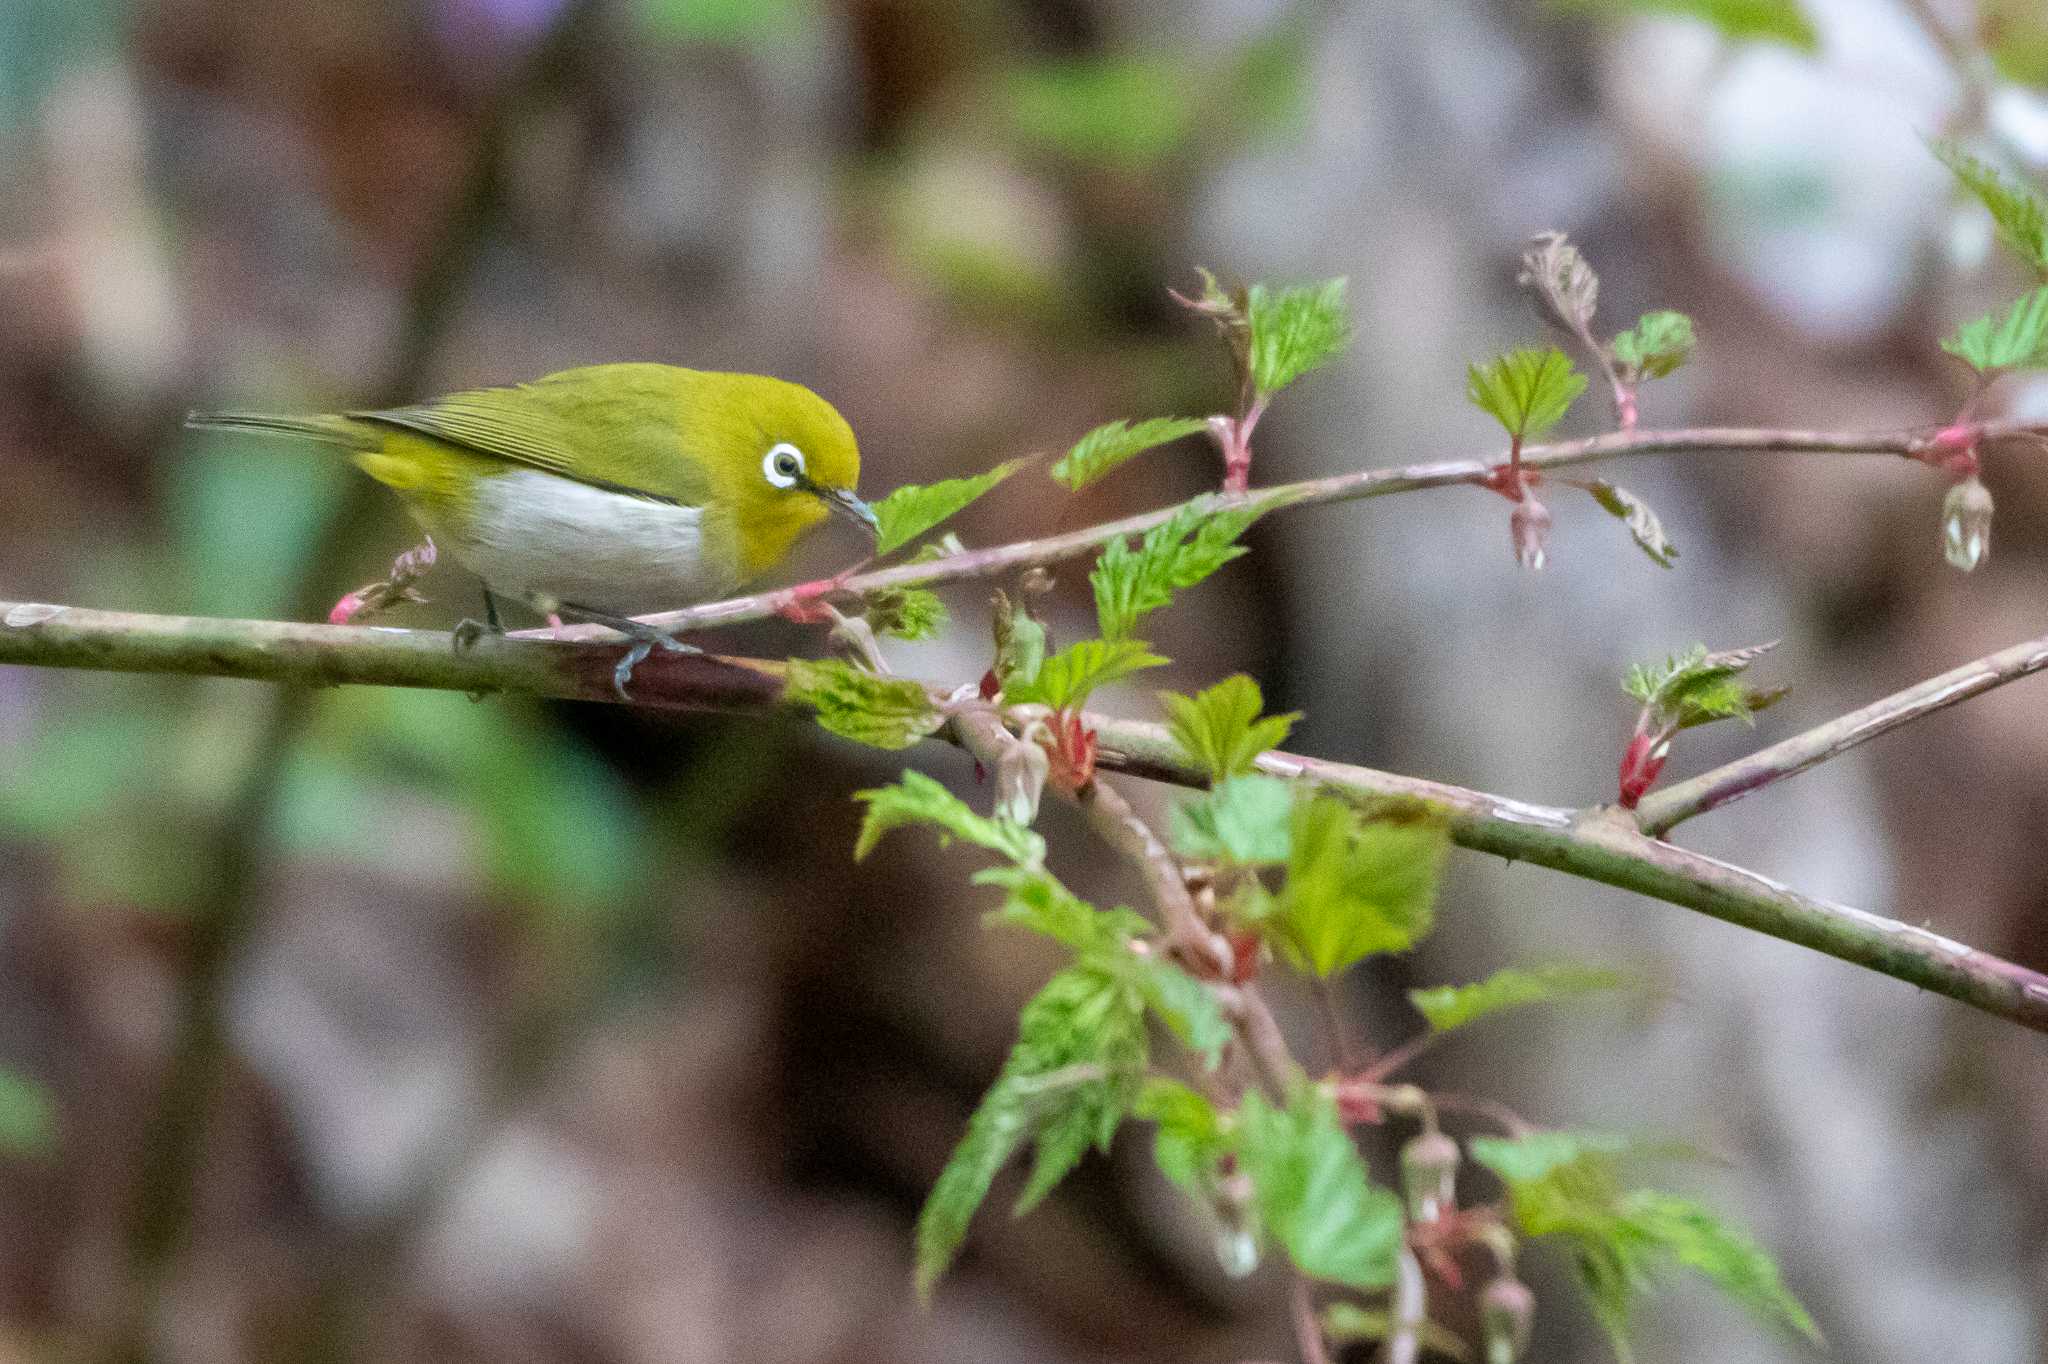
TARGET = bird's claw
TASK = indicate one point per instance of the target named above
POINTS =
(468, 632)
(643, 645)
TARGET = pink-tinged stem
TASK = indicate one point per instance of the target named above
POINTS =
(1601, 845)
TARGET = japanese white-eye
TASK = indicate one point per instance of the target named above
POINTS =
(607, 491)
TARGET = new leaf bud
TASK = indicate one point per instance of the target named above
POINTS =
(1966, 523)
(1020, 780)
(1529, 524)
(1507, 1312)
(1429, 1172)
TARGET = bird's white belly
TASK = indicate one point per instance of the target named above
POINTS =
(554, 541)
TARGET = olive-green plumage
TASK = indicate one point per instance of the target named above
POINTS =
(620, 489)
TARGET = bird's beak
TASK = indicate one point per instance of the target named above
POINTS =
(843, 501)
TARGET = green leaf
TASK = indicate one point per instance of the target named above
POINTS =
(1528, 390)
(1354, 888)
(1658, 344)
(1698, 687)
(1198, 540)
(1564, 1185)
(2018, 211)
(1065, 680)
(1082, 1018)
(1346, 1323)
(906, 613)
(1190, 1140)
(28, 1117)
(917, 799)
(1186, 1005)
(2017, 340)
(1220, 729)
(913, 509)
(1020, 642)
(1767, 21)
(1642, 523)
(1537, 1156)
(1313, 1193)
(885, 712)
(1697, 1239)
(1112, 443)
(1295, 331)
(1243, 822)
(1038, 902)
(1453, 1006)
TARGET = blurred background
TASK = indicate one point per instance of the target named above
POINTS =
(379, 1026)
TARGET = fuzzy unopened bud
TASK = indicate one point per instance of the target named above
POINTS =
(1507, 1312)
(1020, 780)
(1966, 524)
(1529, 523)
(1429, 1174)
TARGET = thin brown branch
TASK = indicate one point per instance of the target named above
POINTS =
(1308, 1329)
(1599, 845)
(997, 560)
(1662, 811)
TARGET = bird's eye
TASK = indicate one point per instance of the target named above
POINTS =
(783, 465)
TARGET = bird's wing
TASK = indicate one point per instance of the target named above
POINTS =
(613, 427)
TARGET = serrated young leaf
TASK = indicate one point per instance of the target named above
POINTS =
(1769, 21)
(2016, 340)
(1294, 331)
(1633, 512)
(2020, 214)
(1187, 1006)
(917, 799)
(884, 712)
(1082, 1018)
(1190, 1140)
(906, 613)
(1657, 345)
(1693, 1236)
(1528, 390)
(1564, 1184)
(1534, 1157)
(1035, 900)
(1065, 680)
(1698, 687)
(913, 509)
(1219, 728)
(1453, 1006)
(1112, 443)
(1199, 539)
(1243, 822)
(1562, 279)
(1354, 888)
(1313, 1193)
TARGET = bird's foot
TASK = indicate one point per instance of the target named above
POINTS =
(646, 639)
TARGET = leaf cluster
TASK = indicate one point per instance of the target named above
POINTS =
(1220, 729)
(1113, 443)
(1566, 1186)
(1130, 584)
(882, 712)
(1699, 687)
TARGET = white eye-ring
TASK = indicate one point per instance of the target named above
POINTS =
(783, 465)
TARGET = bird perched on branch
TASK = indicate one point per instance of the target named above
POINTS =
(605, 492)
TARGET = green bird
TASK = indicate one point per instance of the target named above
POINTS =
(608, 491)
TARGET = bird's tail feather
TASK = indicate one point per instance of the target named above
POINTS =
(339, 431)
